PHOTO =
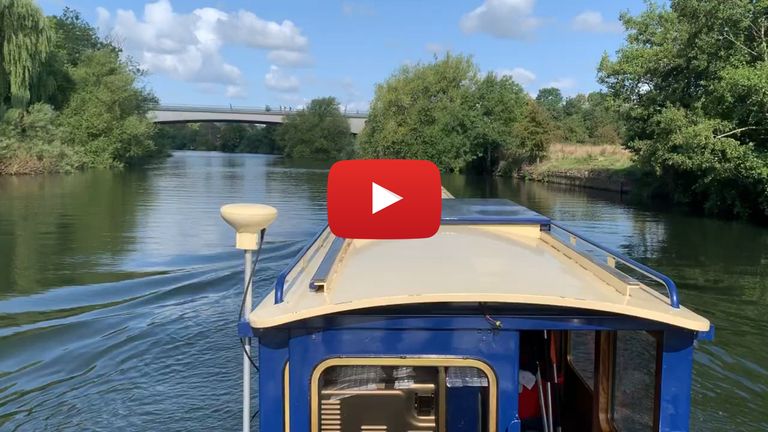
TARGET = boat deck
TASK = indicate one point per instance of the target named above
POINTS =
(471, 259)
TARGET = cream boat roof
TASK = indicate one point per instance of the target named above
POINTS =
(515, 264)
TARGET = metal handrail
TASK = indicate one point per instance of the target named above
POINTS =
(668, 283)
(280, 281)
(244, 110)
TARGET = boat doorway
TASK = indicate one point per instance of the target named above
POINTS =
(589, 380)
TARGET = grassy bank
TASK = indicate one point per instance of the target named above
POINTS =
(600, 166)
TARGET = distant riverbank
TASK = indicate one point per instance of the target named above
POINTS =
(603, 167)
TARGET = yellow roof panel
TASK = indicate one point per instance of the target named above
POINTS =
(513, 264)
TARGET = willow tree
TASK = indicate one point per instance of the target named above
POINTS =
(25, 41)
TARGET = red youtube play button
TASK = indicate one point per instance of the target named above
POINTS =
(384, 199)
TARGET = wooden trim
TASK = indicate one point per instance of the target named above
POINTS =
(286, 398)
(405, 361)
(608, 409)
(578, 402)
(604, 361)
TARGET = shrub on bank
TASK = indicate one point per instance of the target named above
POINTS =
(319, 131)
(447, 113)
(79, 103)
(30, 143)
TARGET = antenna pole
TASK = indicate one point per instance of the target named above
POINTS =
(248, 220)
(246, 362)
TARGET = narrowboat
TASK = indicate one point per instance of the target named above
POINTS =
(504, 321)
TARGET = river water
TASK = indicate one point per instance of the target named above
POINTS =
(119, 290)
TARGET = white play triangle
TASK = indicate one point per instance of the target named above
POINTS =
(382, 198)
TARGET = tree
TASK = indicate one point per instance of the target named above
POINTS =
(231, 137)
(533, 133)
(499, 105)
(443, 112)
(75, 37)
(422, 112)
(25, 40)
(260, 139)
(319, 131)
(551, 99)
(106, 114)
(692, 79)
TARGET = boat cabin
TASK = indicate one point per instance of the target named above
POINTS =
(504, 321)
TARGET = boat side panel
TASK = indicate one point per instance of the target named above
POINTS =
(676, 375)
(496, 348)
(273, 359)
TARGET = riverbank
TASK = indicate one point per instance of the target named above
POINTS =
(603, 167)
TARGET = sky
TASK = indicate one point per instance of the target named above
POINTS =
(259, 52)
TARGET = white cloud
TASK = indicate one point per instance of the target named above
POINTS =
(562, 83)
(237, 92)
(591, 21)
(247, 28)
(278, 80)
(437, 49)
(188, 47)
(521, 75)
(502, 18)
(289, 58)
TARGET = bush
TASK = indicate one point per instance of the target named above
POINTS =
(444, 112)
(105, 118)
(318, 132)
(30, 143)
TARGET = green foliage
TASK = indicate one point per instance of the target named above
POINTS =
(692, 80)
(551, 99)
(261, 139)
(584, 119)
(444, 112)
(94, 110)
(25, 40)
(75, 37)
(499, 105)
(106, 114)
(318, 132)
(176, 136)
(532, 136)
(232, 137)
(31, 143)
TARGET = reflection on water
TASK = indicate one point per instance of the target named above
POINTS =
(119, 291)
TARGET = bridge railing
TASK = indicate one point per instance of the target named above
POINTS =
(268, 109)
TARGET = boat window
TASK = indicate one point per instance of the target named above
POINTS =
(634, 381)
(403, 397)
(581, 355)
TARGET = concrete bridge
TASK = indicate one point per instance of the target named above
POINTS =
(197, 114)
